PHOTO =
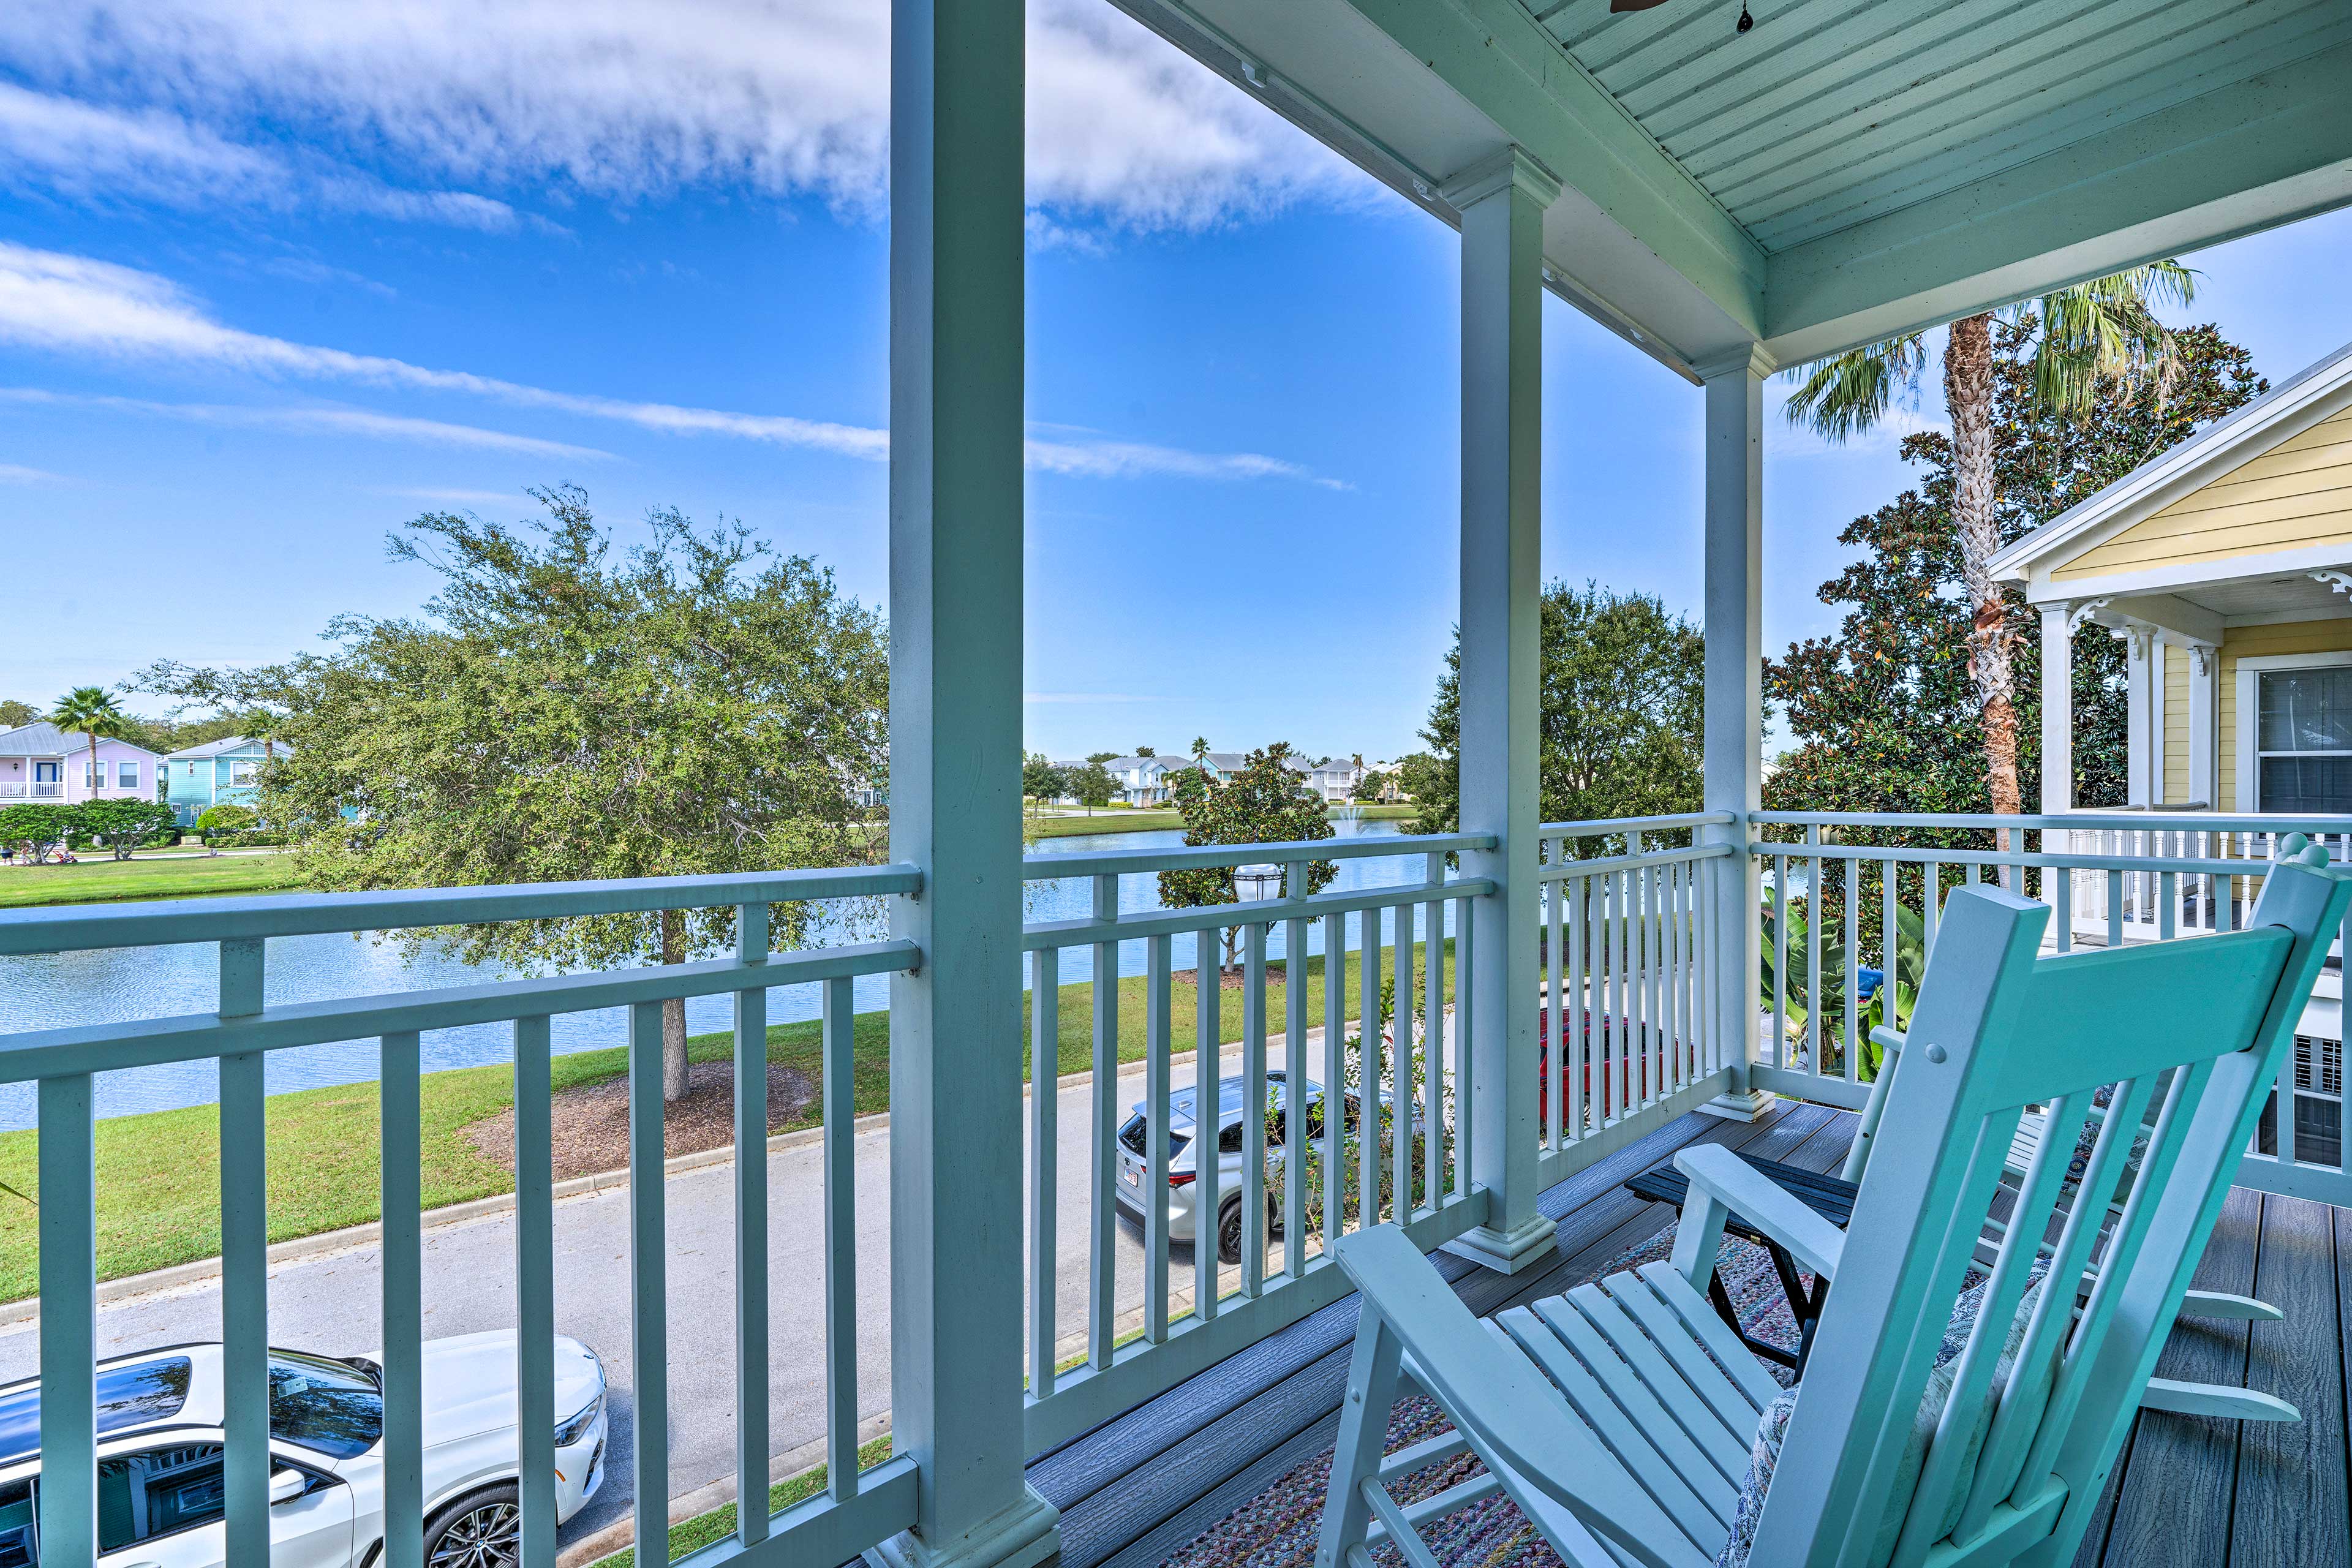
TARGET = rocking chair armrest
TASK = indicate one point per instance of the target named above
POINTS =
(1720, 1177)
(1500, 1400)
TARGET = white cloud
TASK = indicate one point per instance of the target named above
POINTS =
(76, 305)
(308, 420)
(623, 100)
(91, 150)
(458, 498)
(19, 474)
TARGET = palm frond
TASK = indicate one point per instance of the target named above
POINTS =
(1848, 393)
(2105, 331)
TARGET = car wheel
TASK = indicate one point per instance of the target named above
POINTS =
(1229, 1231)
(480, 1530)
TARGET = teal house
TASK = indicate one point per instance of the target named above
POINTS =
(220, 771)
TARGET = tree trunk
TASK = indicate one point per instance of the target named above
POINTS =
(1969, 395)
(673, 951)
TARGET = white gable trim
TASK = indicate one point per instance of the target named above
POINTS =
(2279, 415)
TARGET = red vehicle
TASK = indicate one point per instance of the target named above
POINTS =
(1630, 1083)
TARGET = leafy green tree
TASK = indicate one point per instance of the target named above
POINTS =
(228, 817)
(122, 826)
(90, 711)
(1145, 751)
(1373, 785)
(30, 827)
(16, 715)
(1040, 780)
(2093, 342)
(567, 709)
(1886, 713)
(1263, 802)
(1093, 785)
(1421, 776)
(1623, 696)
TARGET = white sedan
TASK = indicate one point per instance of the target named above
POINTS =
(159, 1467)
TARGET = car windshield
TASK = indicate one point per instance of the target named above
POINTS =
(127, 1396)
(323, 1405)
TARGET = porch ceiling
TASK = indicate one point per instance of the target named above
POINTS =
(1847, 168)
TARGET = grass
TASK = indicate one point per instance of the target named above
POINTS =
(99, 880)
(159, 1172)
(694, 1534)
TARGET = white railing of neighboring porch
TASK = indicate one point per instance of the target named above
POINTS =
(2160, 877)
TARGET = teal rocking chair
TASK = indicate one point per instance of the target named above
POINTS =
(1630, 1426)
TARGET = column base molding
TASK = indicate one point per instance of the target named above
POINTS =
(1744, 1107)
(1509, 1251)
(1025, 1535)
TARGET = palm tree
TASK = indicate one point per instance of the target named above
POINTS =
(2095, 337)
(90, 711)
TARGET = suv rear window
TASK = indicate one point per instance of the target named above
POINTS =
(127, 1396)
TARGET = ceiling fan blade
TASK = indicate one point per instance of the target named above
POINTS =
(1617, 7)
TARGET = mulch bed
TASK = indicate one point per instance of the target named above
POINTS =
(1229, 979)
(591, 1123)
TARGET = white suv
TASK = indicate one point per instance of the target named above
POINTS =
(159, 1457)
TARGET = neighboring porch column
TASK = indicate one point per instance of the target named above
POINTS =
(2139, 754)
(956, 336)
(2204, 717)
(2057, 751)
(1735, 706)
(1502, 203)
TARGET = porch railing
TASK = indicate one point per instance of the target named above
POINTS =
(857, 1510)
(1844, 890)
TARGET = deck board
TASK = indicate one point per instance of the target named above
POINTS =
(1136, 1488)
(2186, 1491)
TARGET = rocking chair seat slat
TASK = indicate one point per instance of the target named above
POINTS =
(1705, 1337)
(1597, 1327)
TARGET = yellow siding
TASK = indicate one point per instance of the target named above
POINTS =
(2298, 494)
(2176, 790)
(2295, 636)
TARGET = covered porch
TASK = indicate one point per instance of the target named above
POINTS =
(1572, 1000)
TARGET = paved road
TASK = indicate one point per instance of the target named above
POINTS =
(330, 1303)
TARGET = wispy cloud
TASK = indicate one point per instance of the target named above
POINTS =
(309, 420)
(74, 304)
(19, 474)
(454, 497)
(91, 150)
(782, 97)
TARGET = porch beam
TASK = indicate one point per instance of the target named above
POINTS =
(2263, 152)
(955, 398)
(1734, 767)
(1502, 200)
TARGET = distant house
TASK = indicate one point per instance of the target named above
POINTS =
(218, 773)
(41, 761)
(1335, 779)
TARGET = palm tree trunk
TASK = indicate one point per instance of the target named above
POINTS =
(673, 951)
(1969, 396)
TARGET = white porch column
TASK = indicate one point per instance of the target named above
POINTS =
(2139, 704)
(956, 334)
(1502, 203)
(2204, 718)
(2057, 749)
(1734, 706)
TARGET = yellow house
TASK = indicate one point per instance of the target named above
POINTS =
(2226, 565)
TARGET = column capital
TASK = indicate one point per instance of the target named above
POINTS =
(1508, 168)
(1748, 359)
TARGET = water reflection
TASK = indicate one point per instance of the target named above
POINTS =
(112, 986)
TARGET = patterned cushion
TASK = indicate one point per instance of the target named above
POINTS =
(1772, 1427)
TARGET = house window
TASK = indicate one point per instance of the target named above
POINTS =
(244, 770)
(126, 775)
(2304, 740)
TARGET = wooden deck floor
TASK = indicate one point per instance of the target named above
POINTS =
(2192, 1493)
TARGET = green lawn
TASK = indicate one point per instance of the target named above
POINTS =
(161, 876)
(159, 1174)
(693, 1534)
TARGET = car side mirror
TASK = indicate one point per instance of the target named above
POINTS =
(285, 1485)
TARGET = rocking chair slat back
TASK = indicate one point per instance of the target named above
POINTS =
(2034, 1398)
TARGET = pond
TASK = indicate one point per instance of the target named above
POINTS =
(118, 984)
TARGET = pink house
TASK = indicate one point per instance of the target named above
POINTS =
(41, 761)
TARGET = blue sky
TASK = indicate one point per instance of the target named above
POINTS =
(275, 277)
